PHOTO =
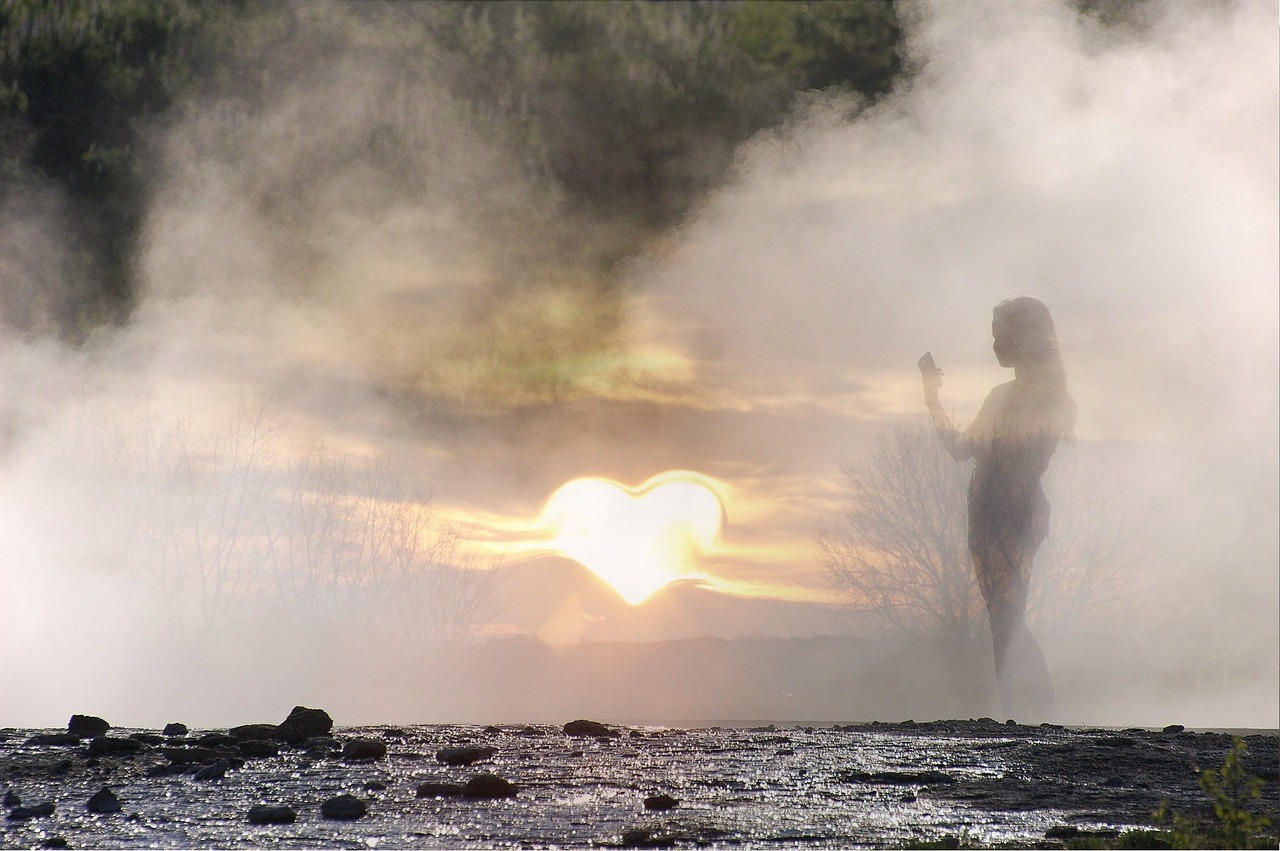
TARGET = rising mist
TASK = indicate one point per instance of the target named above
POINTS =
(347, 271)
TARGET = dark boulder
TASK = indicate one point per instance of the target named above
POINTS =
(661, 802)
(344, 808)
(359, 750)
(435, 789)
(11, 799)
(87, 726)
(257, 749)
(103, 801)
(34, 811)
(464, 755)
(488, 786)
(269, 814)
(322, 743)
(189, 755)
(304, 723)
(593, 729)
(111, 746)
(1173, 729)
(247, 732)
(54, 842)
(216, 771)
(175, 729)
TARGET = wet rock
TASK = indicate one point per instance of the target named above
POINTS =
(375, 786)
(304, 723)
(190, 755)
(54, 842)
(1173, 729)
(492, 731)
(11, 799)
(253, 731)
(904, 778)
(594, 729)
(216, 740)
(87, 726)
(435, 789)
(112, 746)
(642, 837)
(488, 786)
(1117, 742)
(216, 771)
(464, 755)
(359, 750)
(661, 802)
(175, 729)
(272, 814)
(322, 743)
(394, 733)
(344, 808)
(257, 749)
(147, 738)
(53, 739)
(103, 801)
(42, 810)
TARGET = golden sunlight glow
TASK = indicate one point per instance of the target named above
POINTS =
(637, 540)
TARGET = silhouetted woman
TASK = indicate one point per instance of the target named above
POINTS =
(1011, 440)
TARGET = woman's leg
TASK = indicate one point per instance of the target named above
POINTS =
(1021, 671)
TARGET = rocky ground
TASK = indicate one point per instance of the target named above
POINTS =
(304, 783)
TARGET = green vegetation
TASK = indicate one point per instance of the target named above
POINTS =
(626, 113)
(1230, 789)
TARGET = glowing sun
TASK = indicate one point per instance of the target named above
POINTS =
(637, 539)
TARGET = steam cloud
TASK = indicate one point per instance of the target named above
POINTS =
(432, 303)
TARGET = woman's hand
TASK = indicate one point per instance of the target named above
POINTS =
(930, 375)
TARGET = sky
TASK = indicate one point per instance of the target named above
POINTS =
(294, 282)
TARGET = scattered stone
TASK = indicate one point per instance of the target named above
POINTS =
(216, 740)
(304, 723)
(1173, 729)
(87, 726)
(464, 755)
(54, 842)
(322, 743)
(272, 814)
(104, 801)
(1117, 742)
(358, 750)
(434, 789)
(175, 729)
(190, 755)
(594, 729)
(1063, 831)
(112, 746)
(641, 837)
(253, 731)
(492, 731)
(488, 786)
(394, 733)
(344, 808)
(11, 799)
(375, 786)
(905, 778)
(257, 749)
(1113, 782)
(34, 811)
(661, 802)
(53, 739)
(216, 771)
(147, 738)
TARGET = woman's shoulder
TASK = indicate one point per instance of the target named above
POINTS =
(1001, 391)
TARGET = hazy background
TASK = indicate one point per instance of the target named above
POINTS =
(358, 295)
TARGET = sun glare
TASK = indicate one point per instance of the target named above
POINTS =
(637, 539)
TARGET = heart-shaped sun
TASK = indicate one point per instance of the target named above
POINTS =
(637, 539)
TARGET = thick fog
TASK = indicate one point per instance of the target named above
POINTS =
(326, 314)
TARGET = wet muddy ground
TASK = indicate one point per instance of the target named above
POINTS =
(876, 785)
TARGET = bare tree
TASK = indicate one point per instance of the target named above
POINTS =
(900, 556)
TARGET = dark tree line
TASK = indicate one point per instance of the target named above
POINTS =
(630, 111)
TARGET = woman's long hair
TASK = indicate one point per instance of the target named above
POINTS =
(1038, 343)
